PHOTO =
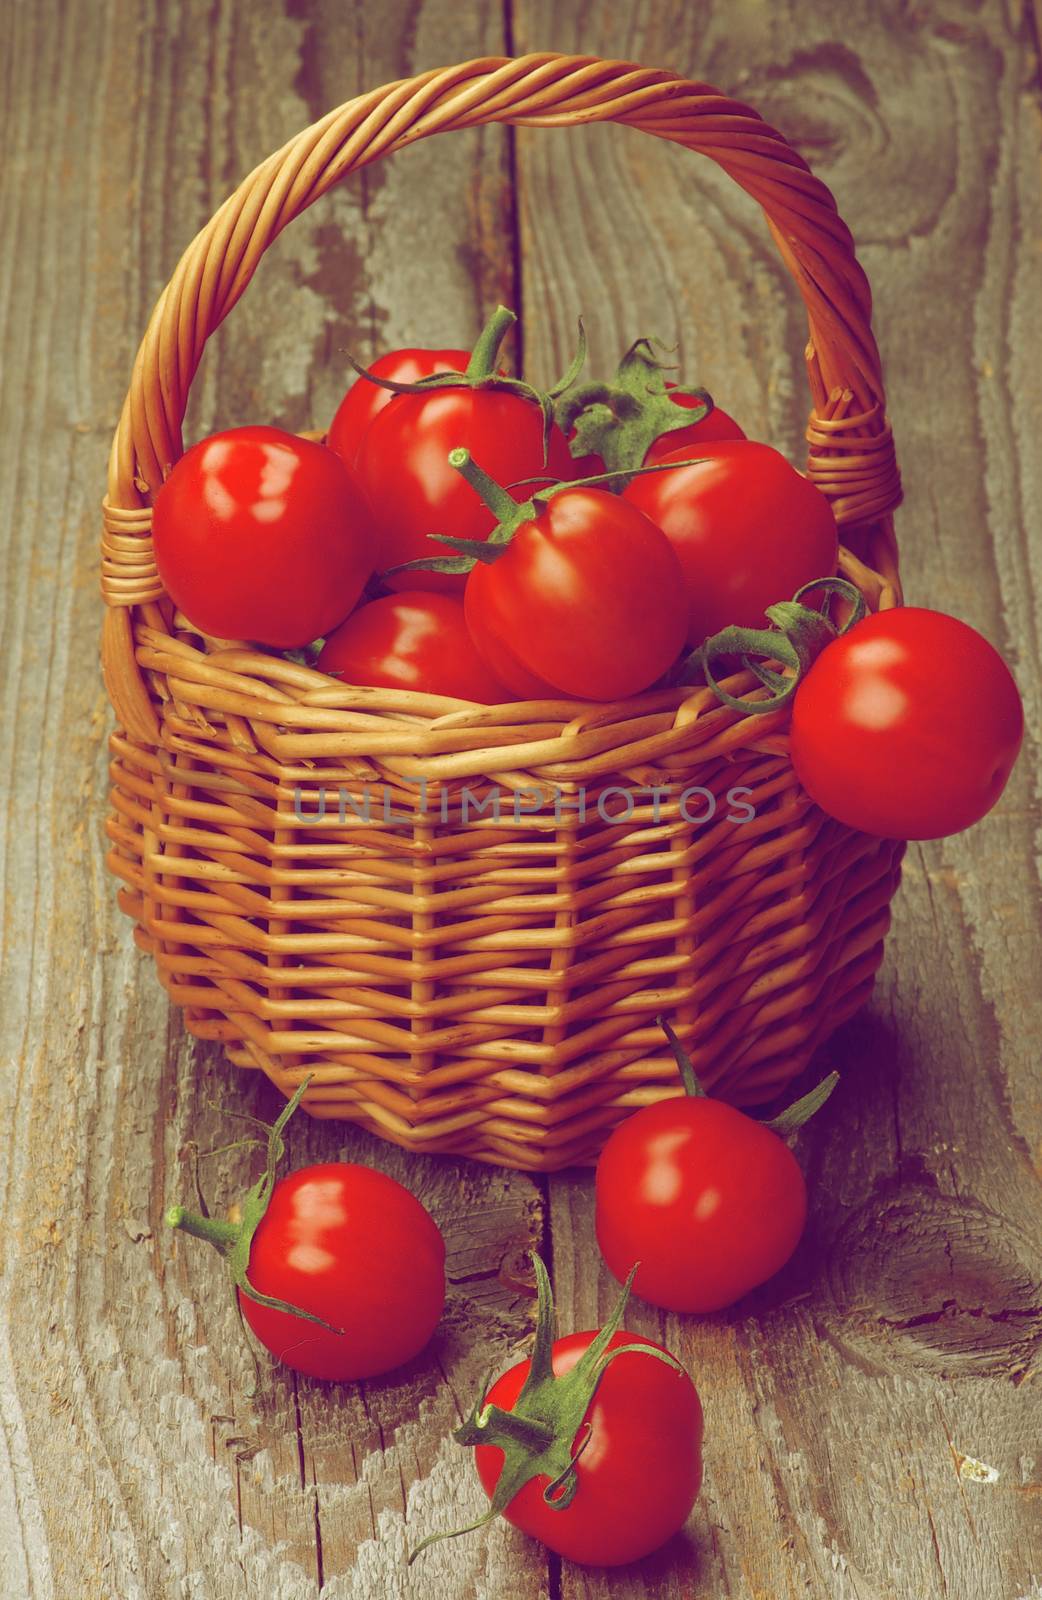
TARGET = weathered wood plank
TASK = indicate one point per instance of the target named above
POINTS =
(905, 1335)
(134, 1465)
(839, 1401)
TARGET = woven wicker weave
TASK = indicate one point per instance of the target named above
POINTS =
(480, 986)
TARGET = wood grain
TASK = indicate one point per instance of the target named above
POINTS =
(842, 1400)
(905, 1336)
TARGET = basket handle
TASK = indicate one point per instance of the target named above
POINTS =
(851, 455)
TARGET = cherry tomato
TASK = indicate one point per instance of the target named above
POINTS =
(641, 1468)
(352, 1246)
(587, 600)
(411, 640)
(404, 472)
(748, 528)
(709, 1201)
(908, 726)
(718, 425)
(261, 535)
(364, 400)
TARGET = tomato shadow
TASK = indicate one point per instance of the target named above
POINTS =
(870, 1056)
(671, 1573)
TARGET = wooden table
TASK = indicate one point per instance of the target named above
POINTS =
(874, 1422)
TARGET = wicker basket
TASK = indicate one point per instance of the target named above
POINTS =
(472, 985)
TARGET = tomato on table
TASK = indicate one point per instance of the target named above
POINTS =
(338, 1269)
(908, 726)
(260, 535)
(412, 640)
(704, 1201)
(747, 528)
(640, 1470)
(593, 1445)
(352, 1246)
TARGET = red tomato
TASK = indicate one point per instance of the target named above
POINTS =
(415, 641)
(718, 425)
(640, 1471)
(908, 726)
(588, 600)
(352, 1246)
(261, 535)
(404, 470)
(709, 1201)
(364, 400)
(748, 528)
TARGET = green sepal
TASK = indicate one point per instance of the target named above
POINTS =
(481, 372)
(803, 1109)
(786, 1121)
(306, 655)
(799, 635)
(510, 514)
(688, 1078)
(621, 420)
(234, 1239)
(537, 1436)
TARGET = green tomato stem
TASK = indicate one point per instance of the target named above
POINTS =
(691, 1084)
(233, 1240)
(620, 421)
(485, 354)
(799, 635)
(222, 1235)
(499, 501)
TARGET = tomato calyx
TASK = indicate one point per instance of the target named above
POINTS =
(538, 1436)
(481, 372)
(799, 635)
(786, 1121)
(306, 655)
(234, 1239)
(620, 421)
(510, 514)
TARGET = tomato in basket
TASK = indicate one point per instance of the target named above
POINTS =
(411, 640)
(634, 420)
(574, 592)
(365, 399)
(747, 527)
(402, 466)
(262, 536)
(907, 726)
